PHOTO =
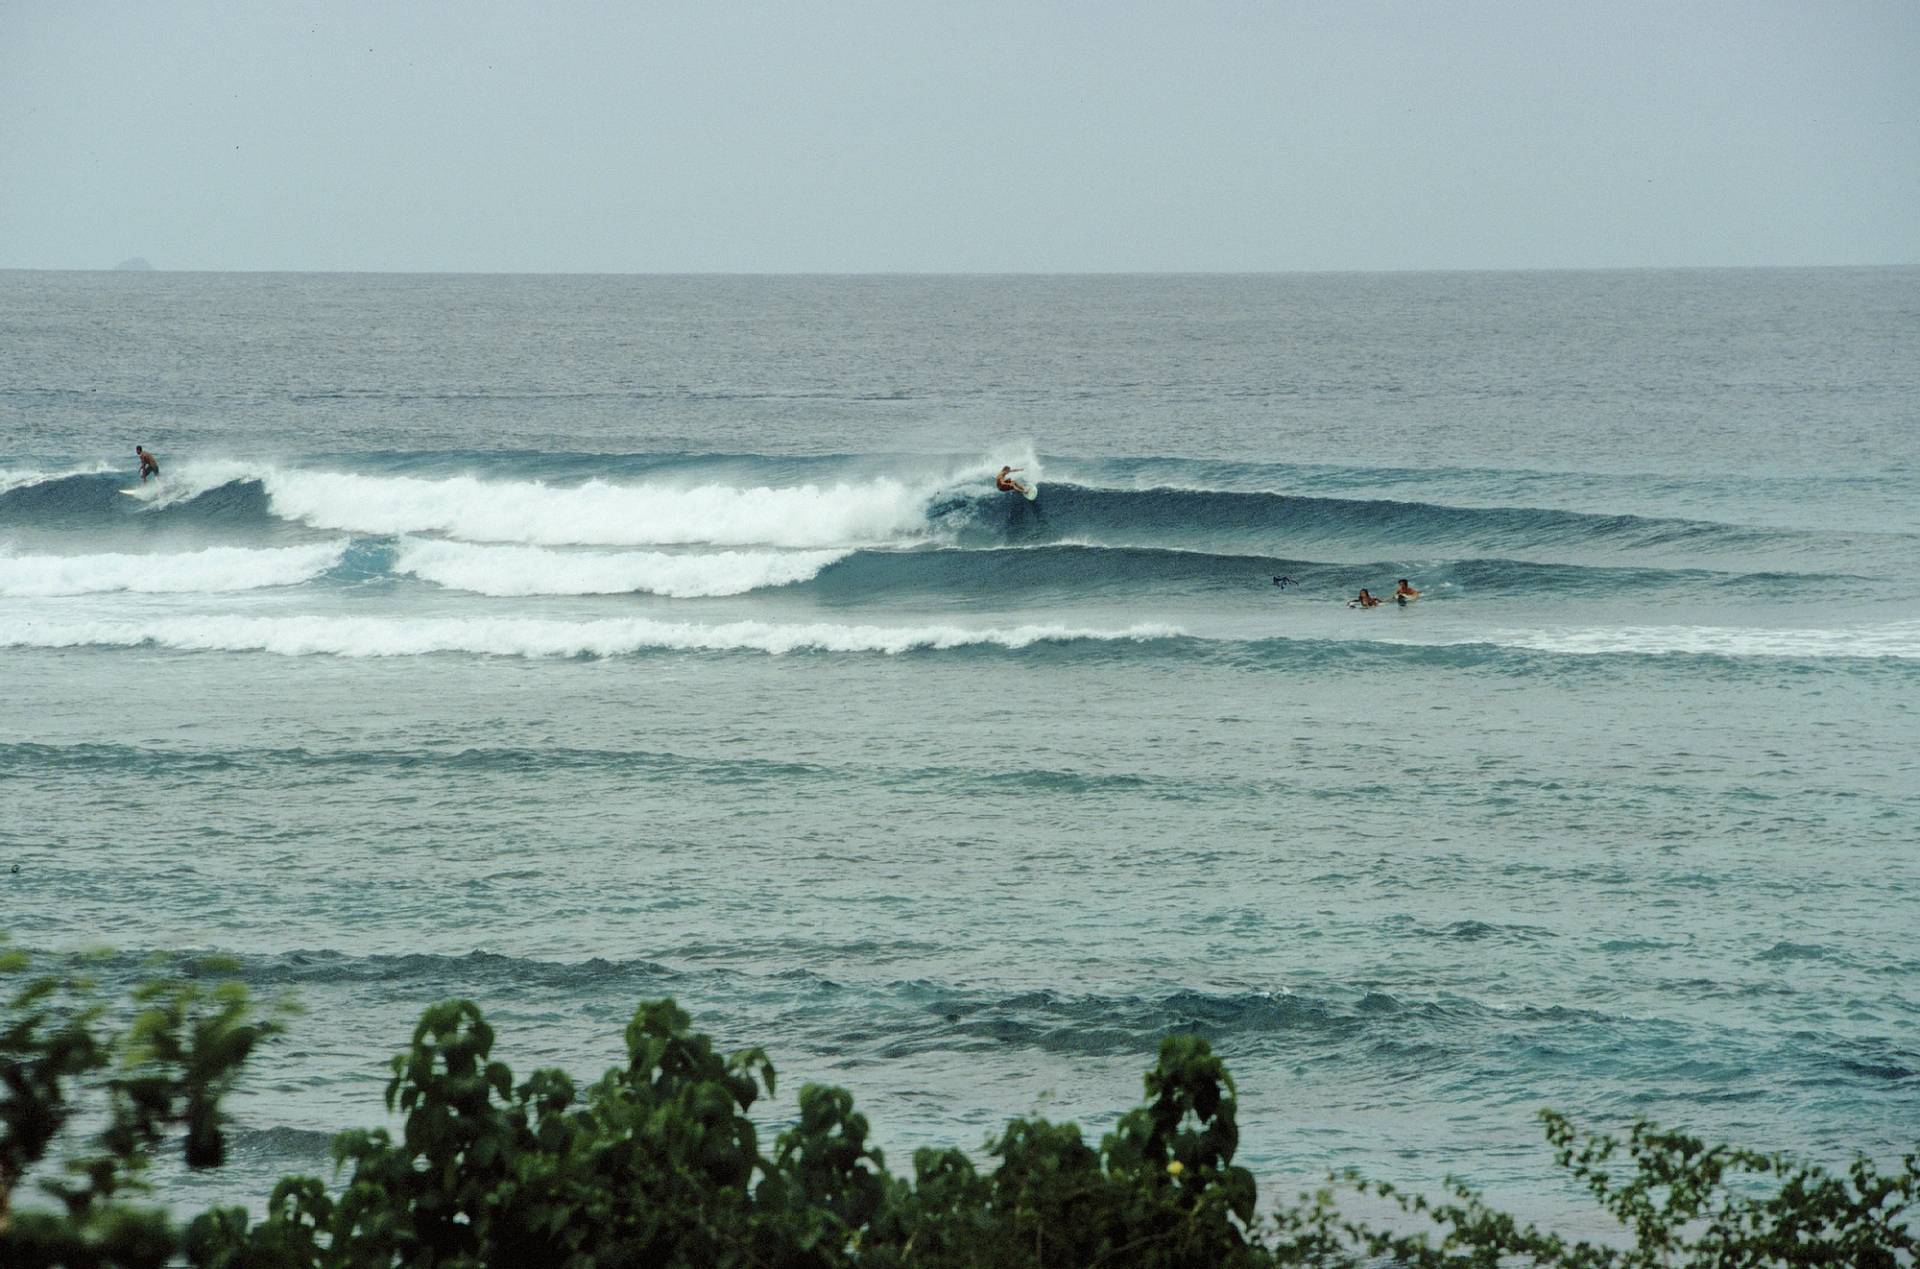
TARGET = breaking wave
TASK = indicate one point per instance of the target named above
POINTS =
(593, 513)
(215, 569)
(531, 570)
(736, 504)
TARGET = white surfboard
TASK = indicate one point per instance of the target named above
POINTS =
(1033, 490)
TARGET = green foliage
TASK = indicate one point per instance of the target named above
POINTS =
(657, 1163)
(1160, 1191)
(162, 1070)
(1682, 1203)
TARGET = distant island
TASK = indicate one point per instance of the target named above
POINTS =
(138, 264)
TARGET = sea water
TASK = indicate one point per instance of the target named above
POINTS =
(561, 642)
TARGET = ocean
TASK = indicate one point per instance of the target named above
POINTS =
(565, 641)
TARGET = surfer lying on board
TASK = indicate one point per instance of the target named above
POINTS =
(149, 465)
(1404, 593)
(1005, 482)
(1363, 600)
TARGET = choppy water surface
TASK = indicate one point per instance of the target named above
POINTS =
(566, 641)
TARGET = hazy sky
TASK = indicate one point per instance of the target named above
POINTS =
(975, 135)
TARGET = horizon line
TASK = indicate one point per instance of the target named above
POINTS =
(966, 273)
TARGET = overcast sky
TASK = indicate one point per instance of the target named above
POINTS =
(894, 135)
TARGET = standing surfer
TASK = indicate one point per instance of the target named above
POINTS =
(1005, 482)
(149, 465)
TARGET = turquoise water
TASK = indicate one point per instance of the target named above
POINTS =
(565, 641)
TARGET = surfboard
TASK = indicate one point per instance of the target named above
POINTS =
(1033, 490)
(129, 493)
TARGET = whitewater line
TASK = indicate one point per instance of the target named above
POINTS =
(531, 637)
(215, 569)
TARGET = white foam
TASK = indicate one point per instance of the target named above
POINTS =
(1899, 639)
(219, 568)
(599, 513)
(880, 511)
(524, 636)
(533, 570)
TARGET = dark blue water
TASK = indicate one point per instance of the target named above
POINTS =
(566, 641)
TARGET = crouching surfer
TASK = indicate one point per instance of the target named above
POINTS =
(1005, 482)
(149, 465)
